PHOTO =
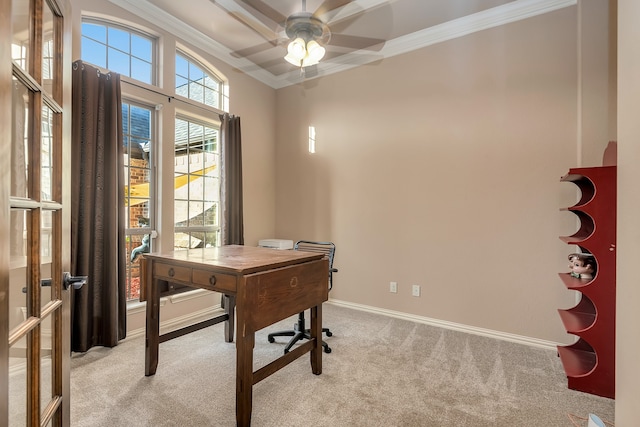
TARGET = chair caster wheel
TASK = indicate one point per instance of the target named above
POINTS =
(329, 333)
(327, 350)
(271, 339)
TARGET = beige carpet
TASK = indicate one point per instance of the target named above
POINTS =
(382, 372)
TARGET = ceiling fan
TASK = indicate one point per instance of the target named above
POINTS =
(305, 34)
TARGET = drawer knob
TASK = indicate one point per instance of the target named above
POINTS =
(172, 272)
(212, 280)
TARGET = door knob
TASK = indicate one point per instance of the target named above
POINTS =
(75, 281)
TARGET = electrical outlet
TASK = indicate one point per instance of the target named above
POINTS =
(415, 291)
(393, 287)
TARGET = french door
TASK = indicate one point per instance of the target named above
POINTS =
(35, 218)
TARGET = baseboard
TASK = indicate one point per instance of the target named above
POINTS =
(520, 339)
(208, 313)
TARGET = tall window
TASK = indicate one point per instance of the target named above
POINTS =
(197, 186)
(137, 130)
(195, 197)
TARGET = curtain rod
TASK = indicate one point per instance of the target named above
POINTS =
(171, 97)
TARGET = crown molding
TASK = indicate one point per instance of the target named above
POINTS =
(490, 18)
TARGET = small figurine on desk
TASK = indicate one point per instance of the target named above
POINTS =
(582, 265)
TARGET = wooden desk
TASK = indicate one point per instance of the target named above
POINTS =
(264, 285)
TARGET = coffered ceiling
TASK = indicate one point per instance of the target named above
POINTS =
(252, 42)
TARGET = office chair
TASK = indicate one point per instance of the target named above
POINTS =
(299, 329)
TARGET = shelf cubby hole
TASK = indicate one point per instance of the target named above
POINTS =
(586, 229)
(579, 318)
(578, 359)
(585, 186)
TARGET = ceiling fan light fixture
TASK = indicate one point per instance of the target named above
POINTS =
(297, 48)
(307, 62)
(293, 60)
(303, 54)
(296, 51)
(308, 36)
(315, 51)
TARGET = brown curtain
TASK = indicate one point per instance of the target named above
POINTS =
(98, 313)
(232, 208)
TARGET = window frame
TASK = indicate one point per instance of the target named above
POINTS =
(150, 229)
(154, 65)
(193, 119)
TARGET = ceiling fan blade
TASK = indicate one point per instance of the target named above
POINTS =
(328, 6)
(356, 42)
(266, 10)
(255, 26)
(242, 53)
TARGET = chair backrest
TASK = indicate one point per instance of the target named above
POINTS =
(326, 248)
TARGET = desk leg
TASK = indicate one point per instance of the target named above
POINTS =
(230, 309)
(244, 377)
(316, 335)
(153, 328)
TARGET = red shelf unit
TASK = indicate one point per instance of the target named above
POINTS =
(589, 363)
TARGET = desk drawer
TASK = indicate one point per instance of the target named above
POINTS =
(171, 272)
(214, 281)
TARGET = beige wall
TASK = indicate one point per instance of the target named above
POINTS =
(441, 168)
(596, 79)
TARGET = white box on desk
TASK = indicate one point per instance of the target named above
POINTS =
(276, 243)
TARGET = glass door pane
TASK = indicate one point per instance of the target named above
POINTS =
(18, 276)
(48, 49)
(19, 146)
(18, 385)
(46, 249)
(46, 364)
(46, 154)
(20, 18)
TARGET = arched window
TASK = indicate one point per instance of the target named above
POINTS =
(120, 49)
(195, 82)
